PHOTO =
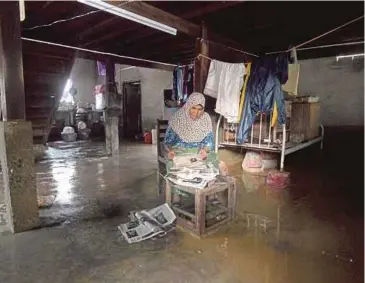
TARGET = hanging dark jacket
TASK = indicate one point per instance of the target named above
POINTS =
(263, 88)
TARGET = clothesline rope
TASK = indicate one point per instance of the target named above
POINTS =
(97, 52)
(326, 33)
(319, 36)
(228, 47)
(332, 45)
(206, 57)
(320, 46)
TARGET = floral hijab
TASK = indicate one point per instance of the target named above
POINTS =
(187, 129)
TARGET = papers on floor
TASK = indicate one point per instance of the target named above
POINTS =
(146, 224)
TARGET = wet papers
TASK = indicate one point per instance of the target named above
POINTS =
(146, 224)
(197, 175)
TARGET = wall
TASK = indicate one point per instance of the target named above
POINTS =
(153, 82)
(340, 86)
(84, 76)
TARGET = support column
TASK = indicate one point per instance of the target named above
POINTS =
(112, 112)
(19, 207)
(201, 70)
(201, 67)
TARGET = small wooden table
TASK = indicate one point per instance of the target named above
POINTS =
(207, 210)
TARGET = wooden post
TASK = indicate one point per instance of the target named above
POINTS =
(201, 64)
(12, 85)
(201, 70)
(200, 207)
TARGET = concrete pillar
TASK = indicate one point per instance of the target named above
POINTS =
(111, 112)
(17, 162)
(112, 131)
(18, 206)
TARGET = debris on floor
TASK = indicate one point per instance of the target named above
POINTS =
(146, 224)
(338, 257)
(46, 201)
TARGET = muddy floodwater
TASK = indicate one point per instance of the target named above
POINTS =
(320, 237)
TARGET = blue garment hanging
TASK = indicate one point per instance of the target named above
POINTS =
(263, 89)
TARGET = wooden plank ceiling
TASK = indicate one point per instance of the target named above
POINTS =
(257, 27)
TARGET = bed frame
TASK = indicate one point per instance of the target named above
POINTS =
(272, 144)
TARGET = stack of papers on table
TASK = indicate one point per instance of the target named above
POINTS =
(197, 175)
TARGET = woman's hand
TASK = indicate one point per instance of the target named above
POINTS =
(203, 154)
(171, 154)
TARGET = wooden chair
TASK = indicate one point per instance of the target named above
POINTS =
(161, 158)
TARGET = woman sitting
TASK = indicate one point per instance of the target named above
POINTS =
(190, 131)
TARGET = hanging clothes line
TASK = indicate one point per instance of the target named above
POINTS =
(332, 45)
(320, 46)
(97, 52)
(319, 36)
(206, 57)
(326, 33)
(228, 47)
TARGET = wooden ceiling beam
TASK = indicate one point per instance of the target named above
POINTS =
(97, 27)
(157, 42)
(109, 36)
(102, 24)
(47, 4)
(170, 49)
(156, 14)
(209, 8)
(145, 10)
(184, 57)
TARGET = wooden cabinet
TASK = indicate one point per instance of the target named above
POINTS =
(305, 121)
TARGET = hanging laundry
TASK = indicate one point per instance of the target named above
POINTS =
(248, 72)
(188, 85)
(101, 68)
(263, 91)
(291, 86)
(224, 82)
(183, 83)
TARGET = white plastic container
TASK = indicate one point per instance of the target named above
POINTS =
(99, 101)
(154, 136)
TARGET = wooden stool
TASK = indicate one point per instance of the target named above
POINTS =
(205, 213)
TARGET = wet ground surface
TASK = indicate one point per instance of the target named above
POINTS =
(320, 240)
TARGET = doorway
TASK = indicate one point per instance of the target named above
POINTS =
(132, 109)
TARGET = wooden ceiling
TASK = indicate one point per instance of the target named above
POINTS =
(256, 27)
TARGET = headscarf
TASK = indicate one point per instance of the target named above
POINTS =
(190, 130)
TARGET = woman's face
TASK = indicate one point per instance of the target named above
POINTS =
(196, 112)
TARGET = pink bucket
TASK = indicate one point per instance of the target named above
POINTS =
(278, 180)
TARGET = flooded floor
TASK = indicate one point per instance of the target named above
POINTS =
(320, 237)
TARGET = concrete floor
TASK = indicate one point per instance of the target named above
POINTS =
(321, 237)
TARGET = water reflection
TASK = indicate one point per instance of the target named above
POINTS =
(100, 175)
(64, 175)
